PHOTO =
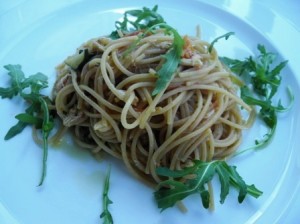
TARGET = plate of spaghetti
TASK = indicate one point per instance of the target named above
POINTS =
(148, 112)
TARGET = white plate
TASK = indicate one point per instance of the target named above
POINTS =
(40, 35)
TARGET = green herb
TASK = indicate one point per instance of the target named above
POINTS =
(37, 113)
(137, 19)
(47, 126)
(265, 79)
(106, 215)
(193, 180)
(226, 36)
(172, 60)
(148, 20)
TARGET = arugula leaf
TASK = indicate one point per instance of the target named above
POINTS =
(172, 60)
(237, 66)
(37, 112)
(265, 79)
(106, 215)
(17, 76)
(47, 126)
(137, 19)
(237, 181)
(171, 191)
(250, 99)
(19, 82)
(226, 36)
(30, 119)
(16, 129)
(148, 20)
(19, 127)
(225, 184)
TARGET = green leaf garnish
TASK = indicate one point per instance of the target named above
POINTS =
(106, 215)
(137, 19)
(148, 20)
(226, 36)
(37, 113)
(30, 119)
(265, 79)
(16, 129)
(193, 180)
(172, 60)
(47, 126)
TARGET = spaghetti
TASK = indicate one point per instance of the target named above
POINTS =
(105, 97)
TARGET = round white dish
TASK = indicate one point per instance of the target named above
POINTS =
(40, 35)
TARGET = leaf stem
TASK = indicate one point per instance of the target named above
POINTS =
(47, 127)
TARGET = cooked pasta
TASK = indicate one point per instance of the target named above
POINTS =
(105, 98)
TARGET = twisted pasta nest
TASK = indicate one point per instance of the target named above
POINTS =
(107, 101)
